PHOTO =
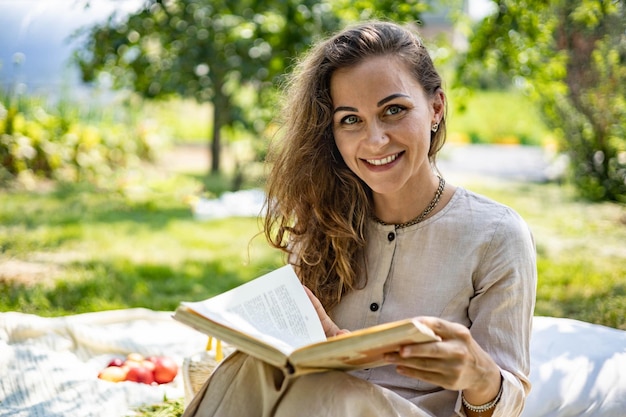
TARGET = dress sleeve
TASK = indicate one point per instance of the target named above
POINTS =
(502, 307)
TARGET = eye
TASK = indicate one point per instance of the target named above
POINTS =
(394, 109)
(349, 120)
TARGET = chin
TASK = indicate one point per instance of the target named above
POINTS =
(383, 189)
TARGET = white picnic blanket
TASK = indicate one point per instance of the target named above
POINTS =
(49, 366)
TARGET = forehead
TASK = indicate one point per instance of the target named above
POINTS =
(372, 79)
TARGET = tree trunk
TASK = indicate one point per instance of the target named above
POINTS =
(216, 145)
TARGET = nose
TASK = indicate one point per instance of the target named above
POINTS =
(376, 135)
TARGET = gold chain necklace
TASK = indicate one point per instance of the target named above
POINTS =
(426, 212)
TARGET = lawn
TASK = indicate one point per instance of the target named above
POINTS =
(77, 249)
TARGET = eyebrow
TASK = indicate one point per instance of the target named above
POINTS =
(380, 103)
(345, 108)
(391, 97)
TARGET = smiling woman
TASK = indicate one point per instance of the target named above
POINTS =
(355, 200)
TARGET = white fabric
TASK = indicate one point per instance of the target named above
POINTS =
(244, 203)
(49, 366)
(577, 369)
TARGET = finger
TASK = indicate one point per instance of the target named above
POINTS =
(319, 308)
(330, 328)
(441, 372)
(439, 364)
(425, 350)
(444, 328)
(421, 368)
(314, 300)
(434, 377)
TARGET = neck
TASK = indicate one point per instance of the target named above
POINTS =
(410, 208)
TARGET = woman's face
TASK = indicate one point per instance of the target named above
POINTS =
(382, 124)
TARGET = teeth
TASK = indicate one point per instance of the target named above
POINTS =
(383, 161)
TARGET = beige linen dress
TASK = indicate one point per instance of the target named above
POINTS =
(472, 263)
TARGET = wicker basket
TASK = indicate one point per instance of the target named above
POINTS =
(196, 370)
(199, 367)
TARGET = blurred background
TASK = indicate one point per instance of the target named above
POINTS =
(133, 135)
(40, 29)
(128, 129)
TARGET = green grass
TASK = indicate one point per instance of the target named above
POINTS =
(507, 117)
(168, 408)
(183, 120)
(139, 246)
(98, 250)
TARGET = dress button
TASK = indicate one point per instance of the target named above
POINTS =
(391, 236)
(374, 306)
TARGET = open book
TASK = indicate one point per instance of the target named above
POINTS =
(272, 318)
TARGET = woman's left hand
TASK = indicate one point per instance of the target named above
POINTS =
(457, 362)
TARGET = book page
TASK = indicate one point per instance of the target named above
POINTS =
(273, 308)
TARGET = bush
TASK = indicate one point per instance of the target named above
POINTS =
(569, 57)
(515, 120)
(63, 142)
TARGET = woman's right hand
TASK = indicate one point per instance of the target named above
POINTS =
(330, 328)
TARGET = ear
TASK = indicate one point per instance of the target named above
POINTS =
(439, 105)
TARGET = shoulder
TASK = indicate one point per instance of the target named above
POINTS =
(482, 210)
(479, 215)
(499, 238)
(465, 199)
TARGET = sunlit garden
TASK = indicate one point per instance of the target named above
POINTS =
(97, 204)
(121, 232)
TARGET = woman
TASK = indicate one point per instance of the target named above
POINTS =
(376, 235)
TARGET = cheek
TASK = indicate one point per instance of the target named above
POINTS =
(420, 132)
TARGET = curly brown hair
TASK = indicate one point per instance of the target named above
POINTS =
(317, 208)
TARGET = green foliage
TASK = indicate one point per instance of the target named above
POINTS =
(398, 11)
(184, 121)
(63, 142)
(571, 57)
(472, 118)
(579, 288)
(230, 53)
(168, 408)
(203, 49)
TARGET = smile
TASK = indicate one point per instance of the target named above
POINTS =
(383, 161)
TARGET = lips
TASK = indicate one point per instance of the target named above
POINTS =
(383, 161)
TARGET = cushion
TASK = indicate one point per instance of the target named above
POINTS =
(577, 369)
